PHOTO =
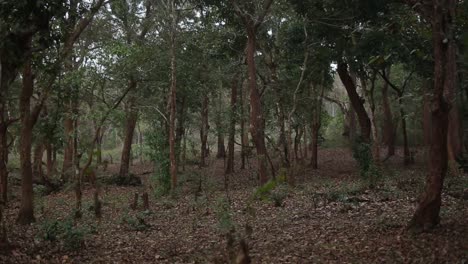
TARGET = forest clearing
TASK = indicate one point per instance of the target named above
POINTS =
(234, 131)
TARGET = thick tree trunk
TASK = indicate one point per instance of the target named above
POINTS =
(256, 113)
(356, 101)
(204, 131)
(130, 124)
(26, 213)
(232, 126)
(445, 68)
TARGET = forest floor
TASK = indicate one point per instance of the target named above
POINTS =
(329, 216)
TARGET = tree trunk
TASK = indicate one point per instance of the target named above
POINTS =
(130, 124)
(445, 68)
(221, 150)
(49, 160)
(356, 101)
(232, 126)
(244, 135)
(306, 144)
(406, 151)
(388, 135)
(3, 162)
(314, 131)
(204, 131)
(180, 130)
(26, 213)
(172, 98)
(256, 113)
(427, 116)
(38, 172)
(68, 150)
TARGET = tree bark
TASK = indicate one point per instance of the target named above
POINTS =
(388, 135)
(232, 125)
(3, 162)
(356, 101)
(442, 16)
(68, 150)
(314, 131)
(38, 172)
(204, 131)
(26, 213)
(130, 124)
(172, 98)
(256, 113)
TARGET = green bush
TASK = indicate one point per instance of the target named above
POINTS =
(223, 213)
(65, 231)
(274, 190)
(135, 222)
(362, 153)
(158, 151)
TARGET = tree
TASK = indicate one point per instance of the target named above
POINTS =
(440, 14)
(252, 22)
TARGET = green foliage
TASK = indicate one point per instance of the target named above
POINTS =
(224, 216)
(135, 222)
(269, 190)
(362, 153)
(333, 133)
(158, 146)
(65, 231)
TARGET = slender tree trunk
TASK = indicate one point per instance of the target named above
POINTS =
(306, 143)
(244, 135)
(38, 172)
(49, 160)
(316, 125)
(130, 124)
(172, 98)
(68, 150)
(232, 125)
(388, 135)
(26, 213)
(427, 116)
(406, 150)
(204, 131)
(180, 130)
(356, 101)
(445, 68)
(314, 131)
(3, 162)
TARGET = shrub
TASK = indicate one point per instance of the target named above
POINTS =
(70, 235)
(158, 151)
(223, 213)
(274, 190)
(135, 222)
(362, 153)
